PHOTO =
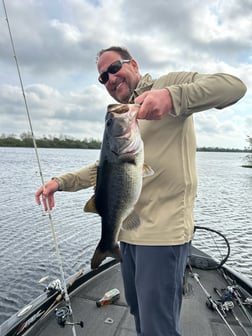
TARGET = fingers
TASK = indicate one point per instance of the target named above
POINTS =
(155, 104)
(140, 99)
(146, 111)
(38, 194)
(48, 202)
(145, 107)
(46, 193)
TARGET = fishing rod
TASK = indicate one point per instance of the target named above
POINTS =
(233, 289)
(212, 302)
(56, 286)
(228, 305)
(56, 245)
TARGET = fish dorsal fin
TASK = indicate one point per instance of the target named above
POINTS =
(90, 205)
(131, 222)
(147, 170)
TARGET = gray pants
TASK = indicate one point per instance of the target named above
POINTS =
(153, 282)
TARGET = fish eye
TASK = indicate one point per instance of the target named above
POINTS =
(109, 122)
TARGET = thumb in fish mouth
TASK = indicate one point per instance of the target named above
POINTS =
(118, 108)
(100, 255)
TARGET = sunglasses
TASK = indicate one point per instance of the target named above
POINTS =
(112, 69)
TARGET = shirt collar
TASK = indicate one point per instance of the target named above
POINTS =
(146, 82)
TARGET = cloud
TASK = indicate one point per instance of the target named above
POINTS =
(57, 42)
(53, 112)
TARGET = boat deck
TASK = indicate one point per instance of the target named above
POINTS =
(115, 319)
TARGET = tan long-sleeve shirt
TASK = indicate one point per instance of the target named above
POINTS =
(167, 199)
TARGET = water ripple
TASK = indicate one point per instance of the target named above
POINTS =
(27, 249)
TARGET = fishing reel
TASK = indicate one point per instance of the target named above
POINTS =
(62, 315)
(54, 286)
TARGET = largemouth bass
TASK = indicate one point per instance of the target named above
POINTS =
(119, 179)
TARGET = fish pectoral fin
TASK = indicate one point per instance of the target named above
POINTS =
(131, 222)
(90, 205)
(147, 170)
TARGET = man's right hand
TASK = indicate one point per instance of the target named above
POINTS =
(46, 193)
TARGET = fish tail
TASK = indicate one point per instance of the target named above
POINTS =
(100, 255)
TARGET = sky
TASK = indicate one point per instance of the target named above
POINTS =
(57, 41)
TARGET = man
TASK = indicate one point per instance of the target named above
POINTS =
(154, 256)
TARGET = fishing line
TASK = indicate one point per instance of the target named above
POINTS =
(66, 296)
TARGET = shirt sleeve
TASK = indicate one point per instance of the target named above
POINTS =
(193, 92)
(77, 180)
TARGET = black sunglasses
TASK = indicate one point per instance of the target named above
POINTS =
(113, 68)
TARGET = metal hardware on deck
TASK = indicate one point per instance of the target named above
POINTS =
(109, 320)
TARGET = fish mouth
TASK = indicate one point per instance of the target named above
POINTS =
(120, 108)
(129, 148)
(126, 153)
(123, 131)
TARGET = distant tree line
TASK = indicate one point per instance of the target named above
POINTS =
(26, 140)
(220, 149)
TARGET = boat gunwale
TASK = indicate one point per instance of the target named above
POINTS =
(13, 326)
(43, 304)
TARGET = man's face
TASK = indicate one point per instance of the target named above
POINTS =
(121, 84)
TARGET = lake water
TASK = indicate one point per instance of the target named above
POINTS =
(27, 250)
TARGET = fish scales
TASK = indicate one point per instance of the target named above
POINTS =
(118, 188)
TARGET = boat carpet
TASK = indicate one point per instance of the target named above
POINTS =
(115, 320)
